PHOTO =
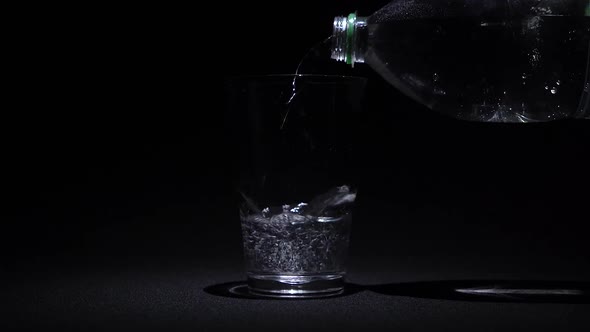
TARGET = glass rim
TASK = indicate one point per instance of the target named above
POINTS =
(325, 78)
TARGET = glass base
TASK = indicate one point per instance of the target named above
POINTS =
(293, 286)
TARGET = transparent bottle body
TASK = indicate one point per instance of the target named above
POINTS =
(491, 61)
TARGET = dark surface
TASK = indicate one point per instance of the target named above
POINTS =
(153, 295)
(118, 172)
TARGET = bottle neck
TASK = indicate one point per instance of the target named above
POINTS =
(349, 39)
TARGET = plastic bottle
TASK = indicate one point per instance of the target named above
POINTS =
(478, 60)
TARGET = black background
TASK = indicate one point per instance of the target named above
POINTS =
(116, 156)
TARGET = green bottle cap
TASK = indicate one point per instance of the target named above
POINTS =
(350, 27)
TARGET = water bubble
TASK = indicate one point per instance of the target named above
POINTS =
(435, 77)
(546, 87)
(553, 90)
(535, 56)
(558, 82)
(440, 92)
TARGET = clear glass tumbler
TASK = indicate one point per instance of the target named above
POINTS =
(297, 179)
